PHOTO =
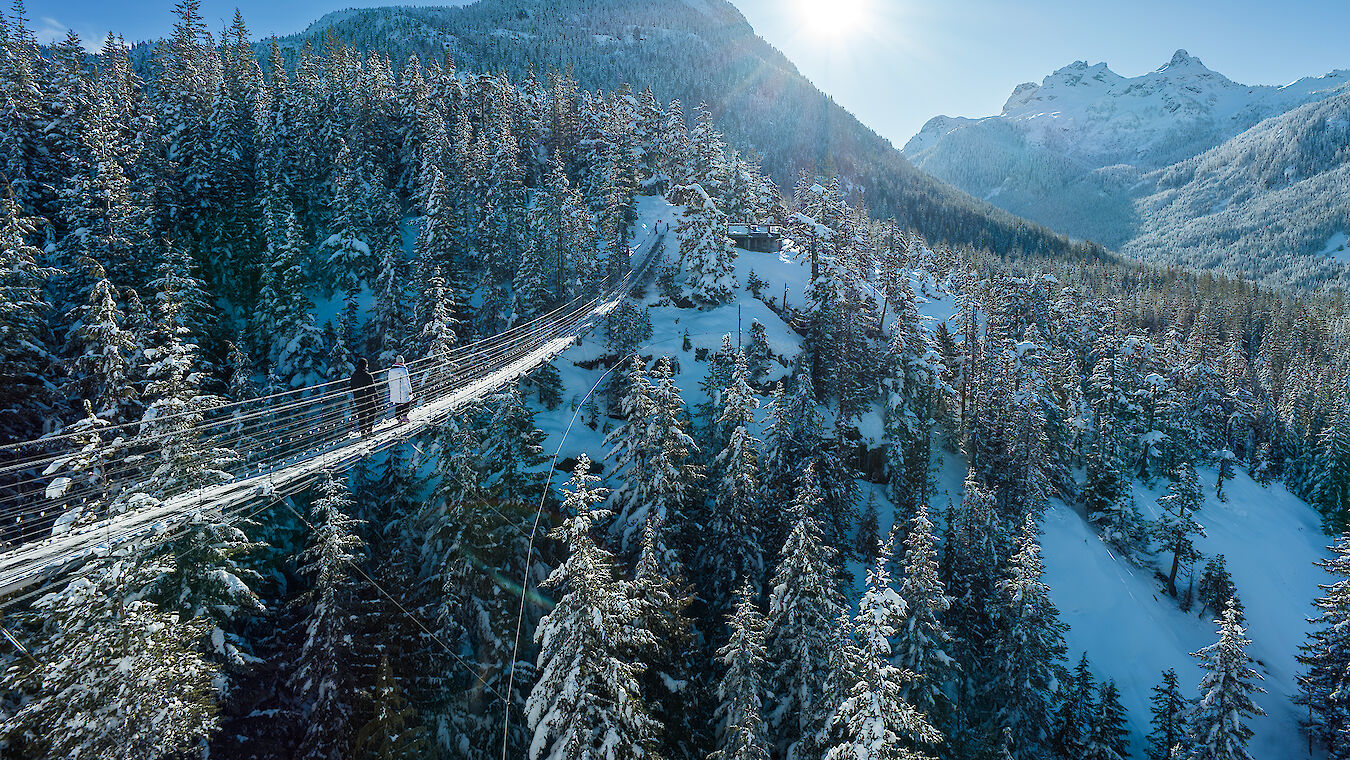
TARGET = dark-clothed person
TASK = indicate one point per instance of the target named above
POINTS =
(364, 396)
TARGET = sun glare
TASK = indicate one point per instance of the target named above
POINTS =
(831, 19)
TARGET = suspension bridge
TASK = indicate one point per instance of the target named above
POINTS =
(55, 491)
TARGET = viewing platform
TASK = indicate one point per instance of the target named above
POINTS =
(762, 238)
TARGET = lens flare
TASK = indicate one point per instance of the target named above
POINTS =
(831, 19)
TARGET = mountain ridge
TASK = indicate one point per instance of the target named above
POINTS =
(696, 51)
(1103, 157)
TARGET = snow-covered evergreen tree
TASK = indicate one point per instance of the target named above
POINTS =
(1029, 649)
(586, 702)
(1331, 479)
(669, 662)
(393, 733)
(25, 355)
(1215, 587)
(804, 605)
(1326, 657)
(120, 675)
(706, 251)
(1073, 721)
(1167, 721)
(875, 721)
(324, 674)
(923, 646)
(735, 523)
(1177, 527)
(1219, 720)
(104, 352)
(1109, 738)
(742, 733)
(630, 454)
(346, 251)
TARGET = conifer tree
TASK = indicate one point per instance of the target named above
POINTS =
(1218, 721)
(1029, 648)
(757, 352)
(303, 354)
(669, 673)
(346, 251)
(923, 645)
(325, 672)
(103, 357)
(1326, 656)
(393, 733)
(1110, 736)
(1073, 721)
(875, 721)
(630, 453)
(742, 732)
(735, 521)
(390, 324)
(24, 353)
(706, 251)
(119, 674)
(869, 530)
(1331, 479)
(804, 605)
(282, 303)
(627, 328)
(1167, 708)
(1177, 527)
(1216, 586)
(586, 702)
(673, 474)
(436, 326)
(971, 557)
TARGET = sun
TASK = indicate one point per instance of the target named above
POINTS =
(832, 20)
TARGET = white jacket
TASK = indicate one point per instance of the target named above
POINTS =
(400, 385)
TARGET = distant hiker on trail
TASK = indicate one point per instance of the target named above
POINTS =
(400, 390)
(363, 394)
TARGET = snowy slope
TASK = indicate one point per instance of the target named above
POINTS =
(1274, 192)
(669, 325)
(1116, 611)
(1132, 631)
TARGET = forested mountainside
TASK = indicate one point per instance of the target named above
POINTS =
(697, 52)
(751, 555)
(1180, 165)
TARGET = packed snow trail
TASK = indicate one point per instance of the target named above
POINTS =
(300, 439)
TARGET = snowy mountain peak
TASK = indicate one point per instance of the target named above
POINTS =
(1097, 117)
(1180, 59)
(1078, 151)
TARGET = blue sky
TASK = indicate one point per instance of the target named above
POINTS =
(904, 61)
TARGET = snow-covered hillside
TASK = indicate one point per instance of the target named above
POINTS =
(1105, 157)
(1267, 201)
(1117, 611)
(694, 51)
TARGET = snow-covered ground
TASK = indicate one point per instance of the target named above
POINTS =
(705, 329)
(1336, 248)
(1116, 610)
(1133, 631)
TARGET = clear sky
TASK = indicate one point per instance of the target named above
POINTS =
(896, 63)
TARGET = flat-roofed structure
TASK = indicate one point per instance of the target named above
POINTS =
(763, 238)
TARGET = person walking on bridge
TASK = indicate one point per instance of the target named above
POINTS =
(400, 390)
(363, 395)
